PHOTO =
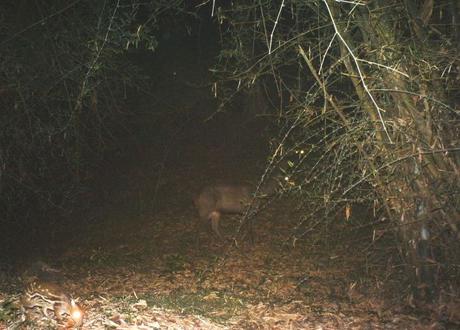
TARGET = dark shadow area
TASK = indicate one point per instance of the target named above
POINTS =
(175, 140)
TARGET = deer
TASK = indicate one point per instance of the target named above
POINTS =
(230, 198)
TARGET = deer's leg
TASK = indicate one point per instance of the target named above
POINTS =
(215, 217)
(202, 229)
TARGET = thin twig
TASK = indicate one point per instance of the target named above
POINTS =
(361, 76)
(384, 66)
(323, 87)
(96, 58)
(40, 22)
(400, 159)
(325, 53)
(274, 27)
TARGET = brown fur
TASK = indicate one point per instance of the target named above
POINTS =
(218, 199)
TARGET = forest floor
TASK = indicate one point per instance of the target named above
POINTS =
(142, 259)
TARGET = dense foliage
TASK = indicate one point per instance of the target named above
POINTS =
(65, 76)
(369, 92)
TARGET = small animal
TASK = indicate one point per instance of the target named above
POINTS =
(50, 297)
